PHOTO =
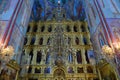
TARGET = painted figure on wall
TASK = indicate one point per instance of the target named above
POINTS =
(115, 26)
(3, 25)
(4, 5)
(116, 32)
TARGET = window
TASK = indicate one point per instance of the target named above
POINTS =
(25, 41)
(70, 57)
(68, 28)
(80, 70)
(75, 29)
(28, 29)
(101, 41)
(69, 40)
(31, 55)
(79, 57)
(37, 70)
(49, 41)
(85, 40)
(41, 41)
(48, 58)
(50, 28)
(86, 54)
(70, 70)
(42, 28)
(89, 69)
(53, 15)
(63, 15)
(39, 56)
(35, 28)
(47, 70)
(83, 28)
(32, 41)
(29, 69)
(77, 41)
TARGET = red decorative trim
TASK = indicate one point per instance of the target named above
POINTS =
(103, 4)
(107, 26)
(8, 27)
(10, 34)
(114, 6)
(101, 21)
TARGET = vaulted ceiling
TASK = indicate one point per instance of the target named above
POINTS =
(43, 9)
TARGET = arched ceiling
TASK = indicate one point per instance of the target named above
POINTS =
(43, 9)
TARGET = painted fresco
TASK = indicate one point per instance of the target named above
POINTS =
(115, 25)
(7, 8)
(98, 40)
(3, 25)
(16, 41)
(4, 5)
(23, 18)
(42, 9)
(110, 8)
(92, 15)
(15, 38)
(30, 3)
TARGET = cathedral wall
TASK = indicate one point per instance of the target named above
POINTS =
(14, 18)
(99, 39)
(108, 13)
(110, 8)
(99, 13)
(20, 26)
(92, 16)
(6, 11)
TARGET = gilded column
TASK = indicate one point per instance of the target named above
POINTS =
(83, 56)
(34, 57)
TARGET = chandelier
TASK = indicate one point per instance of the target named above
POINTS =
(110, 55)
(5, 55)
